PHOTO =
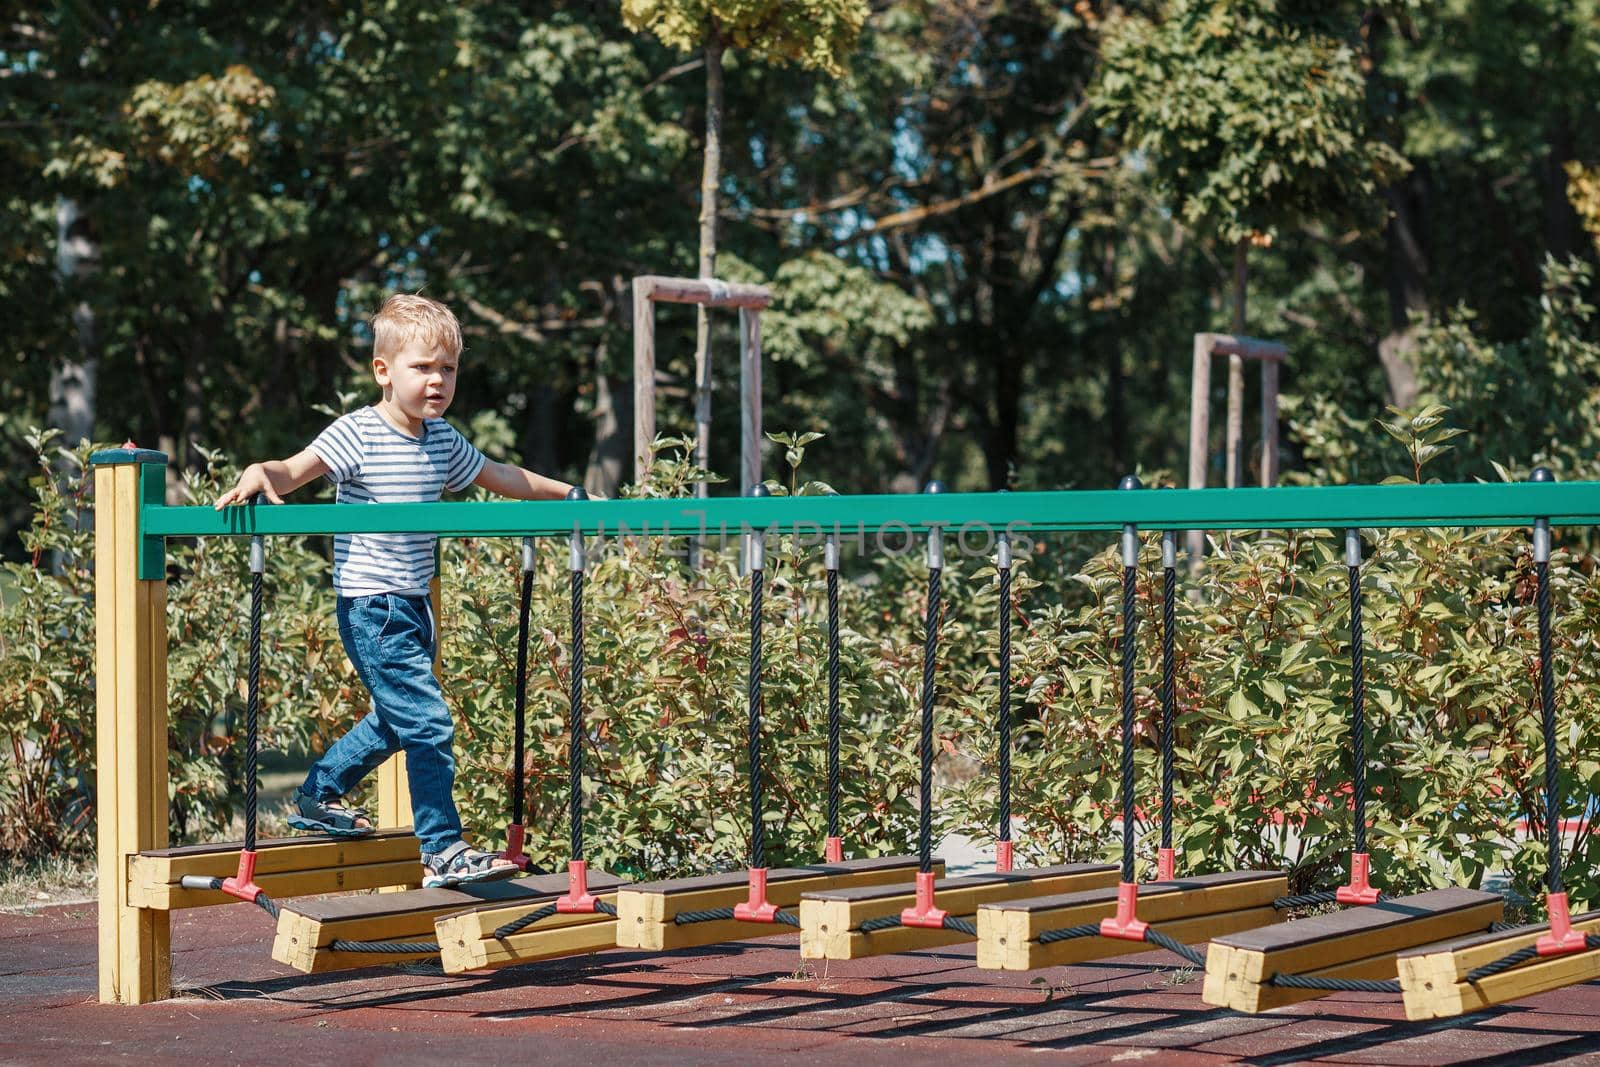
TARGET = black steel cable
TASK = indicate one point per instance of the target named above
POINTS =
(519, 924)
(883, 922)
(520, 721)
(1156, 937)
(960, 925)
(758, 845)
(252, 713)
(1129, 630)
(1335, 985)
(689, 918)
(1003, 713)
(930, 649)
(833, 702)
(1169, 613)
(393, 948)
(267, 904)
(575, 712)
(1547, 703)
(1069, 933)
(1305, 900)
(1358, 712)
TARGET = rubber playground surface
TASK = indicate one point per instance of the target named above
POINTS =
(753, 1001)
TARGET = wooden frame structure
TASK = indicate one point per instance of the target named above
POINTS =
(651, 289)
(830, 920)
(1271, 355)
(1190, 910)
(1357, 943)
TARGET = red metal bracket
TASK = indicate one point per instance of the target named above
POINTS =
(756, 909)
(578, 898)
(833, 850)
(1126, 926)
(923, 913)
(513, 850)
(1002, 856)
(1360, 890)
(1562, 938)
(1166, 865)
(243, 885)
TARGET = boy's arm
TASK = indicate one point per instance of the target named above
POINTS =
(276, 478)
(505, 479)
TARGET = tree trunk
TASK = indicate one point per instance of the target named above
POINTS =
(74, 378)
(1407, 282)
(710, 179)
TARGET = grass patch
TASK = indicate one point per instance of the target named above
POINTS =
(37, 883)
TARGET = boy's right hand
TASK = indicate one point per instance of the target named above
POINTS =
(254, 480)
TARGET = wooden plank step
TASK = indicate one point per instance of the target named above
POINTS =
(1191, 910)
(306, 928)
(645, 911)
(1359, 942)
(285, 867)
(1433, 978)
(830, 920)
(467, 941)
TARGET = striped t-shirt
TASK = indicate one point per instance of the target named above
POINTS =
(373, 463)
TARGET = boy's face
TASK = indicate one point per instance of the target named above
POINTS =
(419, 379)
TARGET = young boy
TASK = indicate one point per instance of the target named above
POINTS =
(398, 450)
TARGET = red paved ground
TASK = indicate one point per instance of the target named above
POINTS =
(712, 1006)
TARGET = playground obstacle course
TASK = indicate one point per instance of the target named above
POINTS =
(1258, 968)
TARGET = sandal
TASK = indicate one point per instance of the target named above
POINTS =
(460, 864)
(328, 817)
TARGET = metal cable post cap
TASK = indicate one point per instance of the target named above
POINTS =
(830, 546)
(1541, 527)
(1130, 532)
(1002, 550)
(1352, 547)
(1169, 549)
(755, 543)
(258, 554)
(575, 552)
(527, 555)
(935, 533)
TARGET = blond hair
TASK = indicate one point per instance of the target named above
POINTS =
(407, 316)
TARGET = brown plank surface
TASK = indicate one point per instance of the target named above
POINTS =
(1147, 889)
(266, 844)
(1367, 918)
(1019, 878)
(672, 886)
(440, 900)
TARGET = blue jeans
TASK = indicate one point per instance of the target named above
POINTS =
(390, 640)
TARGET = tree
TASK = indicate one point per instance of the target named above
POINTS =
(817, 34)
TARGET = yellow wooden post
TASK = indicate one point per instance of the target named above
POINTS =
(131, 720)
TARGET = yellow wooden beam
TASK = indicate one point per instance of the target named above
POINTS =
(1190, 910)
(167, 896)
(645, 912)
(830, 920)
(1359, 942)
(1433, 979)
(131, 745)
